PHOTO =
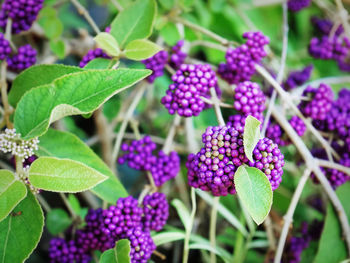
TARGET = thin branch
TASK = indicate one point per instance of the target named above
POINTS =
(313, 166)
(343, 14)
(43, 203)
(117, 5)
(68, 206)
(288, 218)
(217, 109)
(208, 44)
(332, 165)
(169, 139)
(221, 104)
(82, 11)
(212, 227)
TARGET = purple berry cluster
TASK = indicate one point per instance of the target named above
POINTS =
(240, 61)
(25, 57)
(249, 99)
(298, 125)
(5, 49)
(297, 78)
(324, 26)
(297, 5)
(177, 58)
(320, 102)
(155, 211)
(62, 251)
(91, 55)
(213, 167)
(190, 83)
(140, 155)
(22, 13)
(156, 63)
(236, 121)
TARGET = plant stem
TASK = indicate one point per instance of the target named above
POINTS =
(68, 206)
(169, 139)
(238, 247)
(190, 225)
(212, 227)
(82, 11)
(288, 218)
(329, 164)
(43, 203)
(216, 103)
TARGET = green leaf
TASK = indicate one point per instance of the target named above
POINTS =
(63, 175)
(134, 22)
(226, 256)
(254, 190)
(11, 193)
(251, 136)
(74, 203)
(57, 221)
(21, 230)
(108, 43)
(73, 94)
(331, 247)
(58, 48)
(62, 144)
(119, 254)
(170, 33)
(140, 49)
(182, 211)
(50, 23)
(100, 63)
(36, 76)
(167, 237)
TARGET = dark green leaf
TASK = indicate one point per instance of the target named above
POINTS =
(57, 221)
(11, 192)
(36, 76)
(134, 22)
(254, 190)
(20, 232)
(62, 144)
(251, 136)
(73, 94)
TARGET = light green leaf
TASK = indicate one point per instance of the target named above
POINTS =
(182, 211)
(62, 144)
(36, 76)
(167, 237)
(224, 212)
(50, 23)
(170, 33)
(226, 257)
(63, 175)
(254, 190)
(108, 43)
(251, 136)
(140, 49)
(73, 94)
(20, 232)
(100, 63)
(134, 22)
(11, 192)
(119, 254)
(58, 48)
(57, 221)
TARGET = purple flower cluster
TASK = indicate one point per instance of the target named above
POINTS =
(62, 251)
(240, 61)
(249, 99)
(190, 83)
(25, 57)
(297, 5)
(213, 167)
(140, 155)
(91, 55)
(5, 49)
(320, 102)
(177, 58)
(22, 13)
(156, 63)
(155, 211)
(297, 78)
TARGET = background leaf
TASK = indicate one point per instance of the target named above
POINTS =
(141, 49)
(77, 93)
(167, 237)
(11, 192)
(62, 144)
(251, 136)
(36, 76)
(63, 175)
(21, 231)
(108, 43)
(182, 211)
(58, 47)
(134, 22)
(254, 190)
(57, 220)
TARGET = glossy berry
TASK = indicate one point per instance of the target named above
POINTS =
(276, 134)
(249, 99)
(91, 55)
(329, 48)
(177, 57)
(5, 48)
(236, 121)
(155, 211)
(298, 125)
(61, 251)
(297, 78)
(119, 218)
(22, 13)
(190, 82)
(141, 155)
(320, 102)
(297, 5)
(25, 57)
(156, 63)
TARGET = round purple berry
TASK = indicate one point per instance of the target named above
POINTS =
(156, 63)
(155, 211)
(25, 57)
(91, 55)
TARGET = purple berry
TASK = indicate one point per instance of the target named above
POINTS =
(25, 57)
(5, 49)
(297, 78)
(155, 211)
(156, 63)
(177, 57)
(92, 54)
(297, 5)
(61, 251)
